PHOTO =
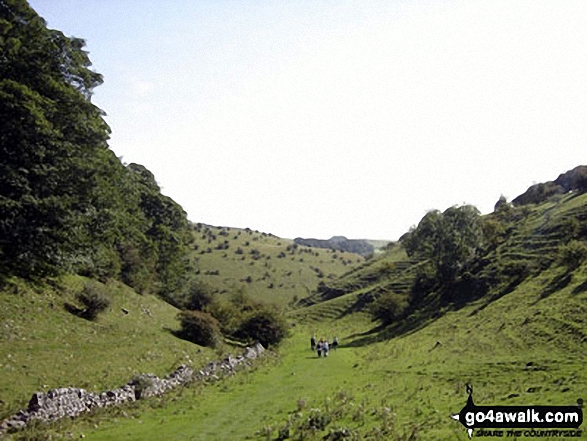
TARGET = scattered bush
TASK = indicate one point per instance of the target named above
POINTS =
(196, 295)
(141, 384)
(94, 298)
(389, 307)
(199, 327)
(573, 254)
(265, 325)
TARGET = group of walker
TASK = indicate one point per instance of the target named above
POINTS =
(322, 347)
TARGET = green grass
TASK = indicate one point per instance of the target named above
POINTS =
(270, 268)
(247, 403)
(520, 349)
(44, 346)
(523, 343)
(507, 362)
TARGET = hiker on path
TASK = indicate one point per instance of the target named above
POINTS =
(335, 343)
(319, 348)
(326, 348)
(313, 342)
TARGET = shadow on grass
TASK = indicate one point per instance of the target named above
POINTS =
(359, 305)
(580, 288)
(178, 334)
(406, 326)
(78, 312)
(556, 284)
(507, 289)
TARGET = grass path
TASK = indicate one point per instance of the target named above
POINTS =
(522, 349)
(238, 407)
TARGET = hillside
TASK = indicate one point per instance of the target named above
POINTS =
(44, 346)
(339, 243)
(271, 269)
(518, 338)
(96, 263)
(67, 204)
(399, 382)
(519, 242)
(572, 180)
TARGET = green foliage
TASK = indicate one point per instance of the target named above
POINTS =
(52, 141)
(141, 383)
(449, 240)
(67, 204)
(389, 307)
(196, 296)
(247, 320)
(571, 228)
(573, 254)
(493, 231)
(94, 298)
(228, 315)
(199, 327)
(264, 324)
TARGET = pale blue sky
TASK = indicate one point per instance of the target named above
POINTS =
(320, 118)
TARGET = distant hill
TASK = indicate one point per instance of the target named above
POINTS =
(341, 243)
(572, 180)
(271, 269)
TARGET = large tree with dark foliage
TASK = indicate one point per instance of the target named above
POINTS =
(66, 202)
(447, 241)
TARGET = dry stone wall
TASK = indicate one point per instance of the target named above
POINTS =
(71, 401)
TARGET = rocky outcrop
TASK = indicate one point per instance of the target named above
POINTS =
(71, 401)
(340, 243)
(573, 180)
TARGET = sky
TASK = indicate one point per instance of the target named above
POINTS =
(315, 118)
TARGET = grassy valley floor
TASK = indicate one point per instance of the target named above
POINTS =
(524, 348)
(519, 350)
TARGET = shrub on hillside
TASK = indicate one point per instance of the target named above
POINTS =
(573, 254)
(425, 282)
(493, 231)
(199, 327)
(199, 295)
(195, 295)
(265, 325)
(389, 307)
(94, 298)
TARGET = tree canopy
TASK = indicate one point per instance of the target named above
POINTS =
(448, 240)
(67, 203)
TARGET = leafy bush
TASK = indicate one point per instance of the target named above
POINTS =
(195, 295)
(449, 240)
(265, 325)
(425, 282)
(68, 204)
(573, 254)
(389, 307)
(199, 327)
(94, 298)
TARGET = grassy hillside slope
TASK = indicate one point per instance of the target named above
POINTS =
(271, 269)
(519, 342)
(522, 349)
(44, 346)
